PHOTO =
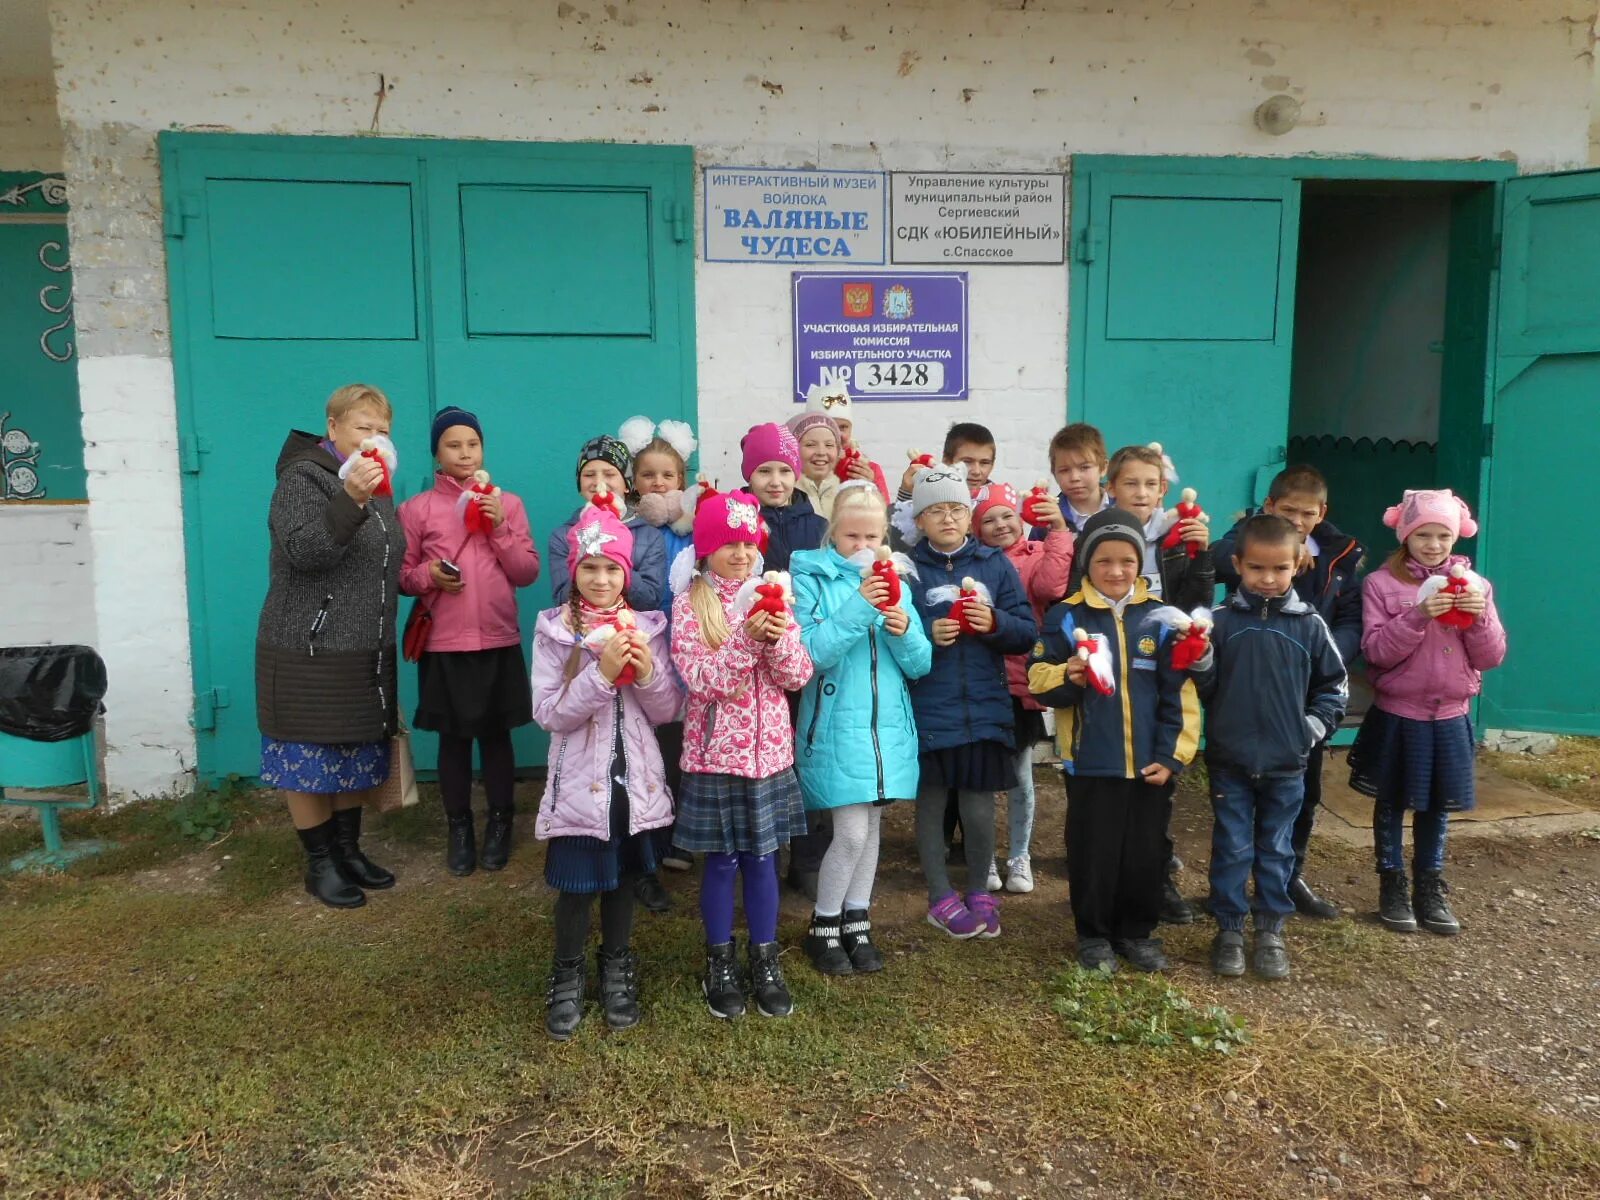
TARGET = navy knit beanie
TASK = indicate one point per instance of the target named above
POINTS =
(1109, 524)
(448, 417)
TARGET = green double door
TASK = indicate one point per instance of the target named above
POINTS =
(1182, 299)
(546, 288)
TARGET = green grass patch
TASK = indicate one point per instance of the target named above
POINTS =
(1141, 1010)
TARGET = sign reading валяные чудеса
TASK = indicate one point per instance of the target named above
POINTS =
(988, 217)
(779, 215)
(885, 335)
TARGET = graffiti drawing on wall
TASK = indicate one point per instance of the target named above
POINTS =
(19, 462)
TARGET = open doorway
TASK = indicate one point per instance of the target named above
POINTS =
(1391, 312)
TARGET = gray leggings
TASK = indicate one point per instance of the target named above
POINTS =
(977, 835)
(851, 863)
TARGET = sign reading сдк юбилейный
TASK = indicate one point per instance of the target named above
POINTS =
(777, 215)
(886, 336)
(988, 217)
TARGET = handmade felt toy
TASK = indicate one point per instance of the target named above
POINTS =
(961, 599)
(617, 624)
(472, 514)
(772, 594)
(886, 565)
(919, 459)
(1193, 630)
(1188, 510)
(1036, 505)
(848, 459)
(604, 498)
(381, 451)
(1095, 651)
(1459, 582)
(706, 490)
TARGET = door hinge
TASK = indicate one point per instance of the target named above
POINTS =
(177, 212)
(677, 218)
(206, 703)
(1488, 440)
(1088, 245)
(190, 447)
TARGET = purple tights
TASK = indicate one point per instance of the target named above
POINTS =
(760, 896)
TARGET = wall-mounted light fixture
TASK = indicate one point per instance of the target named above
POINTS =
(1277, 115)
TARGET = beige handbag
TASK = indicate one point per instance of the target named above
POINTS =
(400, 789)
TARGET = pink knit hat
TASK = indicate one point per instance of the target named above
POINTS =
(598, 533)
(994, 495)
(1432, 507)
(806, 421)
(769, 443)
(727, 517)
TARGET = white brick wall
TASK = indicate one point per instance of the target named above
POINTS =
(959, 84)
(46, 575)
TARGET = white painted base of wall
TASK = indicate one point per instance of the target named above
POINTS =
(46, 575)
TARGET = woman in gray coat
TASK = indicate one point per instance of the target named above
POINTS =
(325, 648)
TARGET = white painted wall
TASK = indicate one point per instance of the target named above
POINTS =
(30, 134)
(957, 84)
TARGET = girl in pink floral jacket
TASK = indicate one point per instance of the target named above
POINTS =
(740, 799)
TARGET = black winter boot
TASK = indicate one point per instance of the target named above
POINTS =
(619, 988)
(825, 948)
(724, 996)
(648, 891)
(354, 865)
(563, 1003)
(766, 981)
(1175, 910)
(1394, 902)
(461, 846)
(1308, 903)
(324, 880)
(496, 841)
(856, 934)
(1432, 907)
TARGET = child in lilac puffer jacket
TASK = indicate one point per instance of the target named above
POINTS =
(602, 679)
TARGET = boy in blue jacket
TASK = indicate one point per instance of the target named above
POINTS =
(963, 705)
(1274, 688)
(1123, 749)
(1328, 578)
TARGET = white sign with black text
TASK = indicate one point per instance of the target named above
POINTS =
(950, 217)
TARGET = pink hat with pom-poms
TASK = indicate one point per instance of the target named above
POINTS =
(1433, 506)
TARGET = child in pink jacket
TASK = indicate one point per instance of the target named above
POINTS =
(472, 678)
(602, 681)
(1426, 647)
(1044, 568)
(740, 799)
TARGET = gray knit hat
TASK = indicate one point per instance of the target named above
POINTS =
(943, 484)
(1114, 524)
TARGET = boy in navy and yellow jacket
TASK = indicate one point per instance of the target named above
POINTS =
(1123, 751)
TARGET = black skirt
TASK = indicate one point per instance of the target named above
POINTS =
(473, 693)
(1028, 725)
(976, 767)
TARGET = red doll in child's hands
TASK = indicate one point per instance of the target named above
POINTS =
(1036, 505)
(1193, 630)
(619, 624)
(1459, 582)
(476, 520)
(847, 460)
(1188, 510)
(607, 500)
(1095, 652)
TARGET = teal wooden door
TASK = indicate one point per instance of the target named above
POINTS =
(562, 307)
(288, 279)
(1545, 419)
(1187, 292)
(548, 288)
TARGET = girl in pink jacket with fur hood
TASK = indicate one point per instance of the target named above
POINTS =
(1429, 631)
(740, 800)
(602, 680)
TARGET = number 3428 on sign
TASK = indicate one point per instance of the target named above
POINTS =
(899, 377)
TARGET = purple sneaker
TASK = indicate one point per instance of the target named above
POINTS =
(986, 909)
(955, 918)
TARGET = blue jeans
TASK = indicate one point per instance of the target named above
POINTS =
(1427, 831)
(1253, 834)
(1020, 806)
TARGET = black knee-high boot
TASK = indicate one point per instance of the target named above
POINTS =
(355, 866)
(323, 877)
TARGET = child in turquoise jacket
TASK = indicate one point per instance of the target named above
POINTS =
(856, 742)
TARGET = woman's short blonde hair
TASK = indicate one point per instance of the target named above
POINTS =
(353, 396)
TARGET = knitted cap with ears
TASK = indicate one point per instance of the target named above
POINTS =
(944, 484)
(1438, 506)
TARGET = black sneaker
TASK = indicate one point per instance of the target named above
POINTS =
(461, 846)
(1227, 953)
(563, 1003)
(1394, 902)
(619, 988)
(1143, 954)
(856, 933)
(647, 890)
(1432, 907)
(678, 860)
(1308, 903)
(825, 948)
(724, 997)
(1096, 954)
(766, 981)
(496, 842)
(1271, 958)
(1175, 910)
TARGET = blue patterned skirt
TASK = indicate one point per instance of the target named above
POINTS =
(1421, 765)
(323, 770)
(729, 814)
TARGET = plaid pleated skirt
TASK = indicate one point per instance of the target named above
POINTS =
(728, 814)
(1420, 765)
